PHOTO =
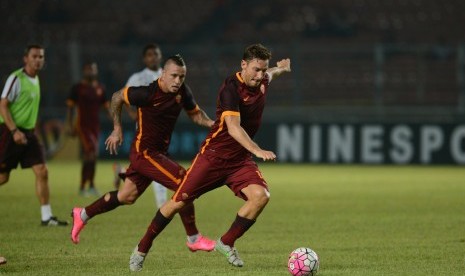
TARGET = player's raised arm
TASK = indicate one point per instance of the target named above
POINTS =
(282, 66)
(233, 123)
(116, 137)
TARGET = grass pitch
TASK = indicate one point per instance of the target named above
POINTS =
(360, 220)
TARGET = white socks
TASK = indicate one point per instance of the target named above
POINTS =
(84, 215)
(193, 238)
(46, 212)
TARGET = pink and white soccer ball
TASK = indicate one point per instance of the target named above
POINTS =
(303, 261)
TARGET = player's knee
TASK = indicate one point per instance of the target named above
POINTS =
(4, 177)
(128, 199)
(260, 197)
(42, 173)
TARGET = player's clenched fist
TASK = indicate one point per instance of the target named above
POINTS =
(284, 64)
(265, 155)
(114, 141)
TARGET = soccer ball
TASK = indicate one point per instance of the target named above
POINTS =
(303, 261)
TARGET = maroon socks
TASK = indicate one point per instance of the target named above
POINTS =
(103, 204)
(187, 215)
(238, 228)
(157, 225)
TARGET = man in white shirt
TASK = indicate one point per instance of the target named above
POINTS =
(152, 57)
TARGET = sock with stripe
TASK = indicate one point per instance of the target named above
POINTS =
(104, 204)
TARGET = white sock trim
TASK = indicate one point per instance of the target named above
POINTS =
(46, 212)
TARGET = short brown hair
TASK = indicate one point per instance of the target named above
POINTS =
(176, 59)
(257, 51)
(30, 47)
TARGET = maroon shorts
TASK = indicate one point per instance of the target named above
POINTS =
(89, 140)
(208, 172)
(146, 167)
(12, 154)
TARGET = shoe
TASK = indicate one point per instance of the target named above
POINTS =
(53, 221)
(202, 243)
(78, 224)
(231, 253)
(116, 174)
(136, 261)
(93, 192)
(83, 193)
(2, 260)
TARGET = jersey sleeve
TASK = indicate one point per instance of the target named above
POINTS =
(189, 103)
(229, 98)
(11, 89)
(138, 95)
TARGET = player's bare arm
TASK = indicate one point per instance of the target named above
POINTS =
(282, 66)
(238, 133)
(18, 135)
(116, 137)
(200, 118)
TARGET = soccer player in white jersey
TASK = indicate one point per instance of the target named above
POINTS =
(151, 56)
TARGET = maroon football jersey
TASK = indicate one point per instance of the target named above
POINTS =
(88, 98)
(236, 99)
(157, 113)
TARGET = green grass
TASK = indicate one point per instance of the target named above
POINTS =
(360, 220)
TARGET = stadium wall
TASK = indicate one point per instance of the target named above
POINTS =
(334, 143)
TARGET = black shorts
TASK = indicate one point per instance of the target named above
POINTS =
(11, 154)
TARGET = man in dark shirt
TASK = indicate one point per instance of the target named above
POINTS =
(225, 157)
(87, 97)
(158, 107)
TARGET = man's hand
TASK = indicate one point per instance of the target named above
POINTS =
(265, 155)
(19, 137)
(284, 65)
(114, 141)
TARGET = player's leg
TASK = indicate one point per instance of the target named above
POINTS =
(161, 169)
(162, 218)
(88, 146)
(134, 185)
(256, 196)
(160, 192)
(90, 159)
(43, 194)
(197, 181)
(92, 163)
(34, 157)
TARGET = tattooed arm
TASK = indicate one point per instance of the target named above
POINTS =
(116, 137)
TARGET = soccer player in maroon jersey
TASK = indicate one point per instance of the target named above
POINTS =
(88, 97)
(158, 106)
(225, 157)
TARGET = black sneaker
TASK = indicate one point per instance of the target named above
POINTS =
(53, 221)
